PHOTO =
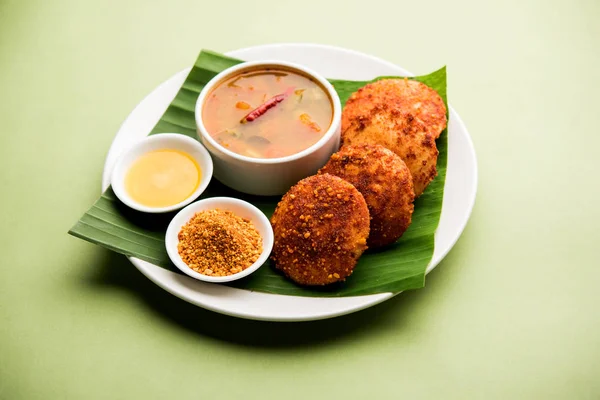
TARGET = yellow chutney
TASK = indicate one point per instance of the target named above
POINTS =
(162, 178)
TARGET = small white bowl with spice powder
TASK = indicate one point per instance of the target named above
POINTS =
(219, 239)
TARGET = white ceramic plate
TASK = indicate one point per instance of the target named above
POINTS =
(332, 62)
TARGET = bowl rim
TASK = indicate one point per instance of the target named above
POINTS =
(117, 179)
(237, 69)
(212, 203)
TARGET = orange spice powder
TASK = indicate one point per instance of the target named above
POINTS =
(219, 243)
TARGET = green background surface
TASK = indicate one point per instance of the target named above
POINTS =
(512, 312)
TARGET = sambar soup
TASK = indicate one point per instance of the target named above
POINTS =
(267, 113)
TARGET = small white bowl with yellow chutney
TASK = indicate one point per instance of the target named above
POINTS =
(268, 124)
(162, 173)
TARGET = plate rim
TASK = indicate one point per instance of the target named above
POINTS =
(371, 300)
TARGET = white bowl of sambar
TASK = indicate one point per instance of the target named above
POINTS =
(268, 124)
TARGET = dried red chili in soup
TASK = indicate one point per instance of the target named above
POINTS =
(267, 113)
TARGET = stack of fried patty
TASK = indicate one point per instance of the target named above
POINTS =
(388, 157)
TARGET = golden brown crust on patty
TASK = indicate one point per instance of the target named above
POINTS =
(386, 184)
(321, 227)
(402, 134)
(409, 96)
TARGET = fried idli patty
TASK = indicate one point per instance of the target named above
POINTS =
(401, 133)
(321, 227)
(386, 184)
(409, 96)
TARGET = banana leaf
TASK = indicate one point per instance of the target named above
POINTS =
(398, 267)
